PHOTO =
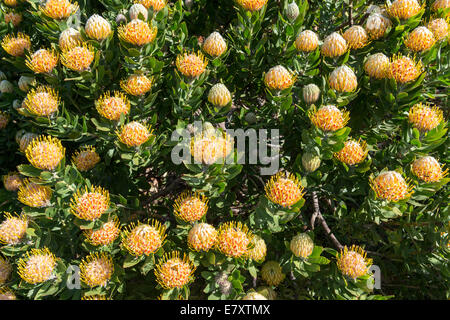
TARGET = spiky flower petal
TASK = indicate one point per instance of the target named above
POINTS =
(59, 9)
(214, 45)
(219, 95)
(190, 206)
(85, 158)
(191, 64)
(42, 101)
(5, 270)
(302, 245)
(105, 235)
(16, 45)
(425, 117)
(307, 41)
(133, 134)
(272, 274)
(439, 27)
(334, 46)
(45, 152)
(343, 79)
(112, 107)
(77, 56)
(252, 5)
(137, 32)
(376, 25)
(96, 269)
(12, 181)
(377, 66)
(97, 27)
(7, 294)
(145, 238)
(329, 118)
(13, 229)
(34, 195)
(356, 37)
(354, 152)
(420, 39)
(202, 237)
(404, 9)
(234, 239)
(42, 61)
(279, 78)
(391, 186)
(428, 169)
(352, 262)
(90, 204)
(284, 189)
(404, 69)
(36, 266)
(137, 84)
(172, 271)
(156, 5)
(258, 249)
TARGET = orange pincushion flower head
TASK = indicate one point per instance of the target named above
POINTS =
(144, 238)
(343, 79)
(190, 207)
(376, 25)
(202, 237)
(42, 61)
(356, 37)
(252, 5)
(13, 17)
(425, 117)
(420, 39)
(404, 69)
(439, 27)
(12, 181)
(354, 152)
(284, 189)
(69, 37)
(191, 64)
(352, 262)
(112, 107)
(7, 294)
(440, 4)
(85, 158)
(133, 134)
(377, 66)
(4, 119)
(105, 235)
(258, 249)
(34, 195)
(391, 186)
(172, 271)
(77, 56)
(13, 229)
(156, 5)
(214, 45)
(42, 101)
(404, 9)
(59, 9)
(307, 41)
(16, 45)
(211, 146)
(272, 273)
(5, 270)
(97, 27)
(137, 84)
(90, 204)
(137, 32)
(96, 269)
(279, 78)
(334, 46)
(37, 266)
(45, 152)
(428, 169)
(329, 118)
(234, 239)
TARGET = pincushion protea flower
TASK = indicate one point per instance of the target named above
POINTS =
(377, 66)
(90, 204)
(133, 134)
(343, 79)
(440, 4)
(156, 5)
(59, 9)
(311, 93)
(234, 239)
(272, 274)
(214, 45)
(69, 37)
(36, 266)
(34, 195)
(329, 118)
(356, 37)
(258, 249)
(292, 11)
(391, 186)
(404, 69)
(16, 45)
(105, 235)
(279, 78)
(7, 294)
(354, 152)
(97, 27)
(376, 25)
(352, 262)
(425, 117)
(4, 119)
(137, 32)
(334, 46)
(85, 158)
(96, 269)
(137, 84)
(11, 3)
(439, 27)
(45, 152)
(301, 245)
(254, 296)
(42, 101)
(42, 61)
(404, 9)
(190, 206)
(191, 64)
(112, 107)
(145, 238)
(284, 189)
(5, 270)
(77, 56)
(13, 17)
(211, 146)
(12, 181)
(172, 271)
(310, 162)
(252, 5)
(202, 237)
(307, 41)
(137, 9)
(25, 140)
(420, 39)
(95, 297)
(428, 169)
(13, 229)
(219, 95)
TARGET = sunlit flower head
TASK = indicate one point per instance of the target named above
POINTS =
(404, 9)
(219, 95)
(137, 32)
(136, 10)
(25, 140)
(279, 78)
(334, 46)
(7, 294)
(25, 83)
(376, 25)
(428, 169)
(137, 84)
(253, 295)
(329, 118)
(307, 41)
(143, 238)
(45, 152)
(90, 204)
(85, 158)
(77, 56)
(105, 235)
(13, 17)
(425, 117)
(156, 5)
(391, 186)
(420, 39)
(42, 61)
(69, 37)
(214, 45)
(13, 229)
(211, 146)
(404, 69)
(5, 270)
(133, 134)
(311, 93)
(34, 195)
(252, 5)
(354, 152)
(12, 181)
(377, 66)
(439, 27)
(37, 266)
(172, 271)
(284, 189)
(191, 64)
(301, 245)
(352, 262)
(258, 249)
(96, 269)
(112, 107)
(59, 9)
(356, 37)
(272, 273)
(202, 237)
(16, 45)
(343, 79)
(4, 120)
(42, 101)
(234, 239)
(97, 27)
(190, 206)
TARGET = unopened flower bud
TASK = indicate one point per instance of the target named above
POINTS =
(120, 18)
(250, 117)
(311, 93)
(310, 162)
(292, 11)
(6, 87)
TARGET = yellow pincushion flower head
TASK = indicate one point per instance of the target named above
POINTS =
(202, 237)
(16, 45)
(13, 17)
(301, 245)
(334, 46)
(428, 169)
(95, 297)
(7, 294)
(214, 45)
(190, 207)
(42, 61)
(137, 84)
(254, 296)
(404, 9)
(105, 235)
(4, 119)
(252, 5)
(13, 229)
(112, 107)
(307, 41)
(90, 204)
(137, 32)
(329, 118)
(284, 189)
(37, 266)
(172, 271)
(5, 270)
(12, 181)
(404, 69)
(440, 4)
(34, 195)
(279, 78)
(45, 152)
(439, 27)
(191, 64)
(356, 37)
(11, 3)
(85, 158)
(258, 249)
(234, 239)
(354, 152)
(42, 101)
(78, 56)
(425, 117)
(133, 134)
(156, 5)
(97, 27)
(211, 146)
(352, 262)
(376, 25)
(219, 95)
(420, 39)
(272, 273)
(144, 238)
(377, 66)
(343, 79)
(69, 37)
(96, 269)
(25, 140)
(59, 9)
(391, 186)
